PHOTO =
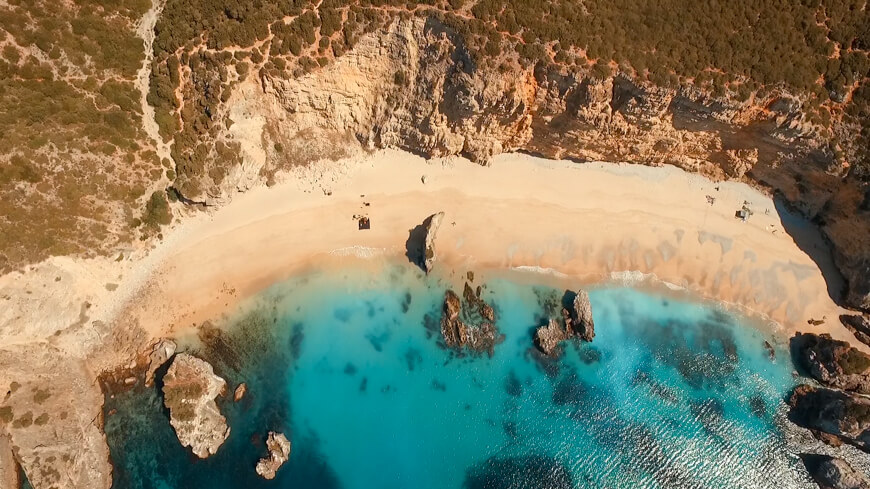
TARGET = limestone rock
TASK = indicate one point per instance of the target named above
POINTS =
(190, 388)
(579, 318)
(471, 326)
(836, 413)
(834, 473)
(240, 392)
(547, 338)
(859, 325)
(161, 352)
(833, 363)
(8, 466)
(279, 452)
(432, 223)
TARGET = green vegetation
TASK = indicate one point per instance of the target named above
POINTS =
(72, 149)
(854, 362)
(157, 212)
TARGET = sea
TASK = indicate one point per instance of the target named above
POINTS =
(348, 363)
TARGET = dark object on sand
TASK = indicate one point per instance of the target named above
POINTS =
(364, 223)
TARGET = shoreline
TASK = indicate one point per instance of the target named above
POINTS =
(591, 222)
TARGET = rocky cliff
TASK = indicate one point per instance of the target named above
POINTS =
(832, 414)
(414, 85)
(834, 473)
(833, 363)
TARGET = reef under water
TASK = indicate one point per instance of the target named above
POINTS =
(348, 364)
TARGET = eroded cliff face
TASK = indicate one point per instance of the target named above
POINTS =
(414, 86)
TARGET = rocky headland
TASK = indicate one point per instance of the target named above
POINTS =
(834, 416)
(190, 388)
(833, 363)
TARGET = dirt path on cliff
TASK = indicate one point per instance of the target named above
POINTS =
(145, 30)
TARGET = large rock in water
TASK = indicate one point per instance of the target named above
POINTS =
(845, 416)
(859, 325)
(472, 326)
(548, 337)
(832, 362)
(579, 317)
(190, 388)
(279, 452)
(432, 223)
(834, 473)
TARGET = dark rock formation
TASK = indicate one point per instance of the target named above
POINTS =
(432, 223)
(833, 363)
(189, 389)
(548, 338)
(859, 325)
(470, 326)
(834, 473)
(279, 452)
(831, 412)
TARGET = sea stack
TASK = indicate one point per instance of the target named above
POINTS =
(279, 452)
(471, 324)
(432, 223)
(577, 320)
(834, 473)
(580, 315)
(190, 388)
(832, 362)
(548, 338)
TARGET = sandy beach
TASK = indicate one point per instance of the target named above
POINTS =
(590, 222)
(587, 223)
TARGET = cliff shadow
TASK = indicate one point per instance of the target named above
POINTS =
(415, 246)
(808, 237)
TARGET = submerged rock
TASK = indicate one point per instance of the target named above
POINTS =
(432, 223)
(548, 338)
(834, 473)
(190, 388)
(279, 452)
(831, 412)
(833, 363)
(859, 325)
(471, 327)
(161, 352)
(579, 317)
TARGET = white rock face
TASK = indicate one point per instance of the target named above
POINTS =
(190, 388)
(279, 452)
(161, 352)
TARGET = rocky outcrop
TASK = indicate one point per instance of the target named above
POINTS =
(832, 362)
(831, 412)
(160, 353)
(859, 325)
(834, 473)
(471, 325)
(432, 223)
(279, 452)
(449, 104)
(548, 337)
(578, 318)
(240, 392)
(190, 388)
(8, 466)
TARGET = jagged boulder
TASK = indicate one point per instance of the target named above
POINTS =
(859, 325)
(161, 352)
(578, 318)
(432, 223)
(832, 362)
(190, 388)
(834, 473)
(549, 336)
(279, 452)
(832, 412)
(471, 326)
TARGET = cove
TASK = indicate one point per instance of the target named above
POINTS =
(348, 364)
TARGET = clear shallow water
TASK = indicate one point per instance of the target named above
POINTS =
(670, 394)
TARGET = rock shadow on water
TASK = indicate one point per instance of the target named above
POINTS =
(522, 472)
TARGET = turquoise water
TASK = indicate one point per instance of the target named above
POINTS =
(671, 394)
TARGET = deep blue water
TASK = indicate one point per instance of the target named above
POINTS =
(671, 394)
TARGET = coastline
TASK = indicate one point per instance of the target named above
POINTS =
(591, 222)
